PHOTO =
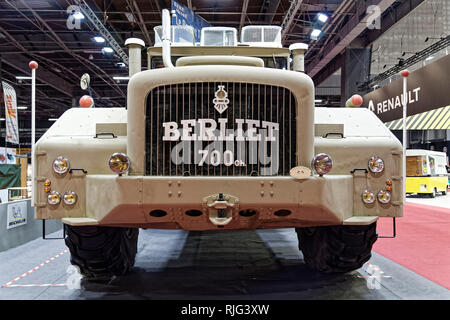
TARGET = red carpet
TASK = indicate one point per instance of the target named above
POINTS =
(422, 243)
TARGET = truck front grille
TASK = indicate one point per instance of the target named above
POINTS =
(174, 103)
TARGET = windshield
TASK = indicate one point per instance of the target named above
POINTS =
(269, 62)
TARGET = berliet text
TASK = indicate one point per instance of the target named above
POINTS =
(207, 127)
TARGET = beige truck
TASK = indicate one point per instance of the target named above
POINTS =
(218, 136)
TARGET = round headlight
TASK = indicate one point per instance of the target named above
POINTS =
(61, 165)
(70, 197)
(384, 196)
(368, 197)
(119, 163)
(376, 164)
(54, 198)
(322, 163)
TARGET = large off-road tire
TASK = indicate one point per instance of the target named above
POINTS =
(336, 249)
(101, 252)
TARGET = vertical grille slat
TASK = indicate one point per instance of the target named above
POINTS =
(247, 101)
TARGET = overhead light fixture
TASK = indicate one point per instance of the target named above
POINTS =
(23, 78)
(52, 119)
(130, 17)
(375, 86)
(22, 108)
(318, 100)
(322, 17)
(315, 33)
(121, 64)
(121, 78)
(2, 119)
(99, 39)
(107, 50)
(429, 58)
(78, 15)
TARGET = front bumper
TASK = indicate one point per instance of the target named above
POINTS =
(129, 200)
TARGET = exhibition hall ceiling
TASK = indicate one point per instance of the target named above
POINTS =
(39, 30)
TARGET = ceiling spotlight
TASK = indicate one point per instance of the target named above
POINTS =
(322, 17)
(315, 34)
(107, 50)
(99, 39)
(121, 64)
(121, 78)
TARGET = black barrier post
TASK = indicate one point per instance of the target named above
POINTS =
(44, 236)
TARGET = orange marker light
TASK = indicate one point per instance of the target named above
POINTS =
(47, 189)
(47, 183)
(389, 188)
(389, 182)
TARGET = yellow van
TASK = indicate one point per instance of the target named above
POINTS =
(426, 172)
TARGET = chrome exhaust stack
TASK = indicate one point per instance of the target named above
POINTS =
(166, 31)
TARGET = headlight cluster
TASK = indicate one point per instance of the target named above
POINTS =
(322, 164)
(60, 166)
(383, 196)
(69, 198)
(376, 165)
(118, 163)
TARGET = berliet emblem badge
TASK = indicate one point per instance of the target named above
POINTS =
(221, 101)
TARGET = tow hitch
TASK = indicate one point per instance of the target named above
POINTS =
(220, 208)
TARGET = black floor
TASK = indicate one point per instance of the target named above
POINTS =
(263, 264)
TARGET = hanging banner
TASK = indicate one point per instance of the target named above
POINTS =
(427, 90)
(182, 16)
(8, 155)
(12, 129)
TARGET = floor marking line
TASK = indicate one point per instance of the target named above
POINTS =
(10, 283)
(38, 285)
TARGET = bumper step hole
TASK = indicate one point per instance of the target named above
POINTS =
(158, 213)
(193, 213)
(247, 213)
(282, 213)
